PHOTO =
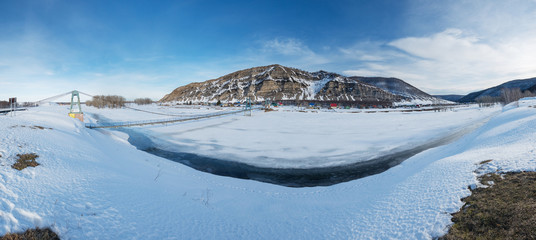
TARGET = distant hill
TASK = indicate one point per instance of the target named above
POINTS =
(398, 87)
(280, 83)
(532, 89)
(450, 97)
(522, 84)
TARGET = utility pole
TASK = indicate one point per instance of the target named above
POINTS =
(13, 105)
(247, 107)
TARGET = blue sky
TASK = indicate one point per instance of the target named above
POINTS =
(148, 48)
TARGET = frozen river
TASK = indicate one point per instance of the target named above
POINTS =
(302, 149)
(293, 177)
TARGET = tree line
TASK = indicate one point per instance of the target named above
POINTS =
(507, 95)
(110, 101)
(114, 101)
(143, 101)
(4, 104)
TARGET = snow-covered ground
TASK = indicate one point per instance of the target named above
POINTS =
(423, 101)
(94, 185)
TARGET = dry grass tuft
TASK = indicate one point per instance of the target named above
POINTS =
(32, 127)
(32, 234)
(25, 160)
(39, 127)
(485, 161)
(505, 209)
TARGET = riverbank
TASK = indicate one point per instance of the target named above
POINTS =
(502, 207)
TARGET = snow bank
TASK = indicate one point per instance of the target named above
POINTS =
(91, 185)
(423, 101)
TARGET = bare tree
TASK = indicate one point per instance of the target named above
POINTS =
(487, 101)
(513, 94)
(4, 104)
(143, 101)
(111, 101)
(528, 93)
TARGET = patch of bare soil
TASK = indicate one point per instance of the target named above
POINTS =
(32, 127)
(25, 160)
(32, 234)
(505, 208)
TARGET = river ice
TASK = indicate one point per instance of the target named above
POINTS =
(290, 138)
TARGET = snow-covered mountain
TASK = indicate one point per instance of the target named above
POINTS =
(280, 83)
(522, 84)
(401, 88)
(395, 86)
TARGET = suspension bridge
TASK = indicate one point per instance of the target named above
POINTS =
(6, 111)
(51, 99)
(164, 121)
(76, 112)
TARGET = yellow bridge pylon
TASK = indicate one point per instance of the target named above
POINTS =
(76, 112)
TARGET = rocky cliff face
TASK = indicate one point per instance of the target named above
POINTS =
(276, 83)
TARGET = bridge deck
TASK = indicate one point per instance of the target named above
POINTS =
(10, 110)
(160, 121)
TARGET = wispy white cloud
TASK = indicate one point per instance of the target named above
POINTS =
(489, 42)
(455, 61)
(449, 61)
(366, 51)
(148, 59)
(291, 48)
(27, 63)
(129, 84)
(288, 46)
(33, 67)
